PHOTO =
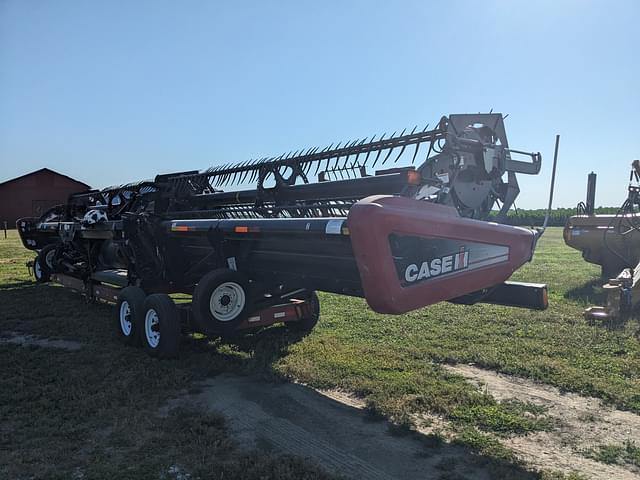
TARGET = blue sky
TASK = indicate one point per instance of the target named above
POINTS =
(111, 92)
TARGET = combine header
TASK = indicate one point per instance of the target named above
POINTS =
(344, 219)
(613, 242)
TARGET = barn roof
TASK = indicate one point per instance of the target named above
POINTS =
(44, 170)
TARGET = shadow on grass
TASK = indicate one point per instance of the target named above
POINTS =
(21, 284)
(589, 293)
(343, 438)
(94, 406)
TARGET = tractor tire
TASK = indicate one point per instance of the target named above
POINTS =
(308, 321)
(220, 302)
(129, 312)
(160, 326)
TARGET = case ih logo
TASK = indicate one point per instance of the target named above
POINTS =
(437, 266)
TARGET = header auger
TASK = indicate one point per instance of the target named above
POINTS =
(355, 219)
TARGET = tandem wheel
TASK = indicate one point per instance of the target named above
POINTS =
(129, 312)
(310, 318)
(160, 326)
(43, 264)
(221, 302)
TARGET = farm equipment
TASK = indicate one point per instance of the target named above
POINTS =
(613, 242)
(401, 237)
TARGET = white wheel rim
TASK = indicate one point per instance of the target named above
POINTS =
(151, 328)
(48, 259)
(37, 270)
(227, 301)
(125, 318)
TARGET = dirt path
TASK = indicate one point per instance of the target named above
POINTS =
(334, 432)
(582, 423)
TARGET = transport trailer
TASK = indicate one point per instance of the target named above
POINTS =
(402, 237)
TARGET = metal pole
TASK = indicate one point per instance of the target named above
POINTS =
(553, 181)
(591, 193)
(5, 229)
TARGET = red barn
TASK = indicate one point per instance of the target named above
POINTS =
(32, 194)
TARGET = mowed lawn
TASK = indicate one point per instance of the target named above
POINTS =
(96, 407)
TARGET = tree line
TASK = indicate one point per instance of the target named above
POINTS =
(535, 217)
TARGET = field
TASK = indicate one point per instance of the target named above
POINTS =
(489, 391)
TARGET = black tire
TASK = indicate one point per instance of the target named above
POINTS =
(160, 326)
(128, 315)
(310, 319)
(215, 288)
(40, 274)
(46, 257)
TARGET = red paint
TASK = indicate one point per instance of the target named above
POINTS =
(371, 221)
(32, 194)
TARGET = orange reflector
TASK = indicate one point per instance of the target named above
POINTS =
(414, 177)
(244, 229)
(181, 228)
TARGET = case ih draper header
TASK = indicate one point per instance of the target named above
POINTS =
(341, 219)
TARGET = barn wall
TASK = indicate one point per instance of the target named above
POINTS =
(32, 194)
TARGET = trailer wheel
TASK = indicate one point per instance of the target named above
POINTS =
(129, 309)
(310, 319)
(40, 274)
(46, 256)
(160, 326)
(220, 302)
(43, 264)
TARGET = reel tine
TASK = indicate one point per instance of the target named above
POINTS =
(218, 180)
(400, 154)
(249, 170)
(243, 176)
(243, 172)
(414, 130)
(329, 158)
(379, 151)
(351, 145)
(415, 153)
(425, 128)
(369, 152)
(358, 154)
(319, 164)
(388, 155)
(312, 154)
(236, 169)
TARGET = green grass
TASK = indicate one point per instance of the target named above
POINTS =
(393, 361)
(628, 453)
